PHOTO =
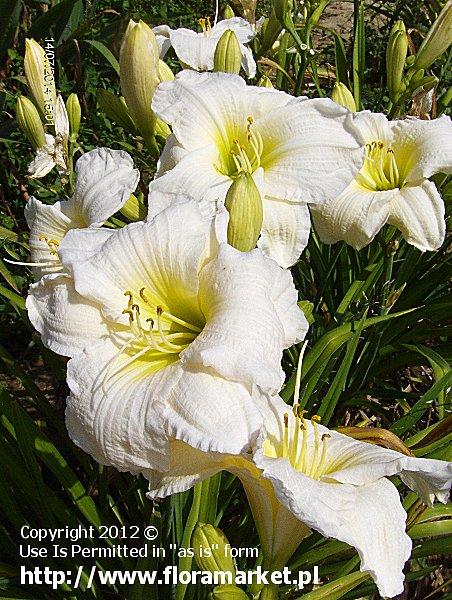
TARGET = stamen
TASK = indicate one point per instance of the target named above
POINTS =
(52, 244)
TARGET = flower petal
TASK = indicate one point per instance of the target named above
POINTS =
(423, 148)
(244, 337)
(67, 322)
(312, 150)
(162, 35)
(194, 49)
(239, 26)
(118, 423)
(105, 180)
(248, 62)
(43, 162)
(419, 214)
(212, 414)
(355, 216)
(285, 231)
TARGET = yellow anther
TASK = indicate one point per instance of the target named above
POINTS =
(295, 410)
(250, 120)
(136, 307)
(128, 311)
(53, 242)
(159, 310)
(43, 237)
(325, 436)
(286, 420)
(315, 418)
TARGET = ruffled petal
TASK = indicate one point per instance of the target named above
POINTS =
(119, 420)
(312, 150)
(355, 216)
(239, 26)
(243, 337)
(195, 177)
(162, 35)
(43, 162)
(423, 148)
(153, 256)
(212, 414)
(285, 231)
(418, 212)
(248, 62)
(66, 321)
(194, 49)
(105, 180)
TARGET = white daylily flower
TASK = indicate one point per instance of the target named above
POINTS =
(105, 179)
(197, 50)
(392, 187)
(298, 151)
(55, 152)
(170, 334)
(302, 475)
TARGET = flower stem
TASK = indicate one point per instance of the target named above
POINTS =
(269, 592)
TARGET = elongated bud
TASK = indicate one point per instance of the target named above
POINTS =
(40, 79)
(228, 55)
(244, 204)
(227, 592)
(395, 59)
(165, 73)
(30, 122)
(437, 40)
(342, 95)
(116, 108)
(134, 209)
(228, 13)
(74, 114)
(139, 74)
(211, 549)
(264, 81)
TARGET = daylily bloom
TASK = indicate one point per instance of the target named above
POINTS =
(393, 186)
(301, 475)
(297, 151)
(170, 334)
(105, 179)
(197, 50)
(55, 151)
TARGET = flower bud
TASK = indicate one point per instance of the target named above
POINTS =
(227, 592)
(139, 74)
(30, 122)
(74, 114)
(40, 79)
(377, 436)
(228, 55)
(342, 95)
(228, 13)
(116, 108)
(211, 549)
(283, 11)
(264, 81)
(396, 52)
(165, 73)
(437, 40)
(244, 204)
(134, 209)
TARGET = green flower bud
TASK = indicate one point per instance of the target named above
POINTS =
(342, 95)
(165, 73)
(228, 55)
(74, 114)
(437, 40)
(40, 79)
(139, 74)
(228, 13)
(396, 52)
(264, 81)
(134, 209)
(244, 204)
(227, 592)
(116, 108)
(30, 122)
(211, 549)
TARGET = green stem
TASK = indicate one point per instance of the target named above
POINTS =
(269, 592)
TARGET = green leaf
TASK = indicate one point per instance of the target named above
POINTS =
(56, 19)
(359, 53)
(9, 21)
(106, 53)
(337, 588)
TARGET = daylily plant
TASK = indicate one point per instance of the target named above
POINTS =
(197, 50)
(301, 475)
(393, 186)
(298, 151)
(55, 151)
(105, 179)
(170, 333)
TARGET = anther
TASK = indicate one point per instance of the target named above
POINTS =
(286, 420)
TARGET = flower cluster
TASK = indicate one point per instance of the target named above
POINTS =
(176, 337)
